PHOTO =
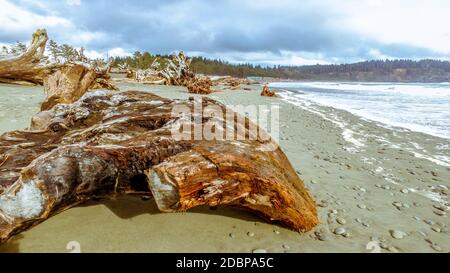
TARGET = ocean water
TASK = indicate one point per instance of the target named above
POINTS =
(419, 107)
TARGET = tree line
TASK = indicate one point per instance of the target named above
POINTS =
(402, 70)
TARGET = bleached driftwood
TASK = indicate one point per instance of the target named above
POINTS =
(177, 71)
(28, 66)
(72, 81)
(63, 82)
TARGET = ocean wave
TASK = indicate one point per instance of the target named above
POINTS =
(348, 134)
(436, 90)
(418, 110)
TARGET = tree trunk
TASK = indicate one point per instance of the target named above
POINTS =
(106, 144)
(72, 81)
(28, 66)
(63, 83)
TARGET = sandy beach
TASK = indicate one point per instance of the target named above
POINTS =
(377, 189)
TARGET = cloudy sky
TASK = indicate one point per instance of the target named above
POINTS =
(288, 32)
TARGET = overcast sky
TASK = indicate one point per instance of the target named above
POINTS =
(287, 32)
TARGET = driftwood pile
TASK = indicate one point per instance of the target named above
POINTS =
(177, 72)
(106, 144)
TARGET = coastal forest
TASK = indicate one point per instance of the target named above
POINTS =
(374, 70)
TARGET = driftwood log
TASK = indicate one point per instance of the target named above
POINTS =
(232, 82)
(63, 83)
(28, 66)
(178, 71)
(107, 144)
(200, 86)
(266, 92)
(70, 82)
(151, 75)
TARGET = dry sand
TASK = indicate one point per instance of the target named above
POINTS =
(370, 183)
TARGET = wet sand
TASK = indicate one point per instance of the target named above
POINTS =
(17, 105)
(376, 189)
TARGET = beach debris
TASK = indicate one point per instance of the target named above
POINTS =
(108, 143)
(259, 250)
(33, 67)
(266, 92)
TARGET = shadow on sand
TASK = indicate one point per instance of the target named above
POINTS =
(127, 207)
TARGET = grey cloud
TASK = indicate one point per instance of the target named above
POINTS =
(216, 26)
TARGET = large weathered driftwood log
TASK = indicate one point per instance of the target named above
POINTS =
(107, 144)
